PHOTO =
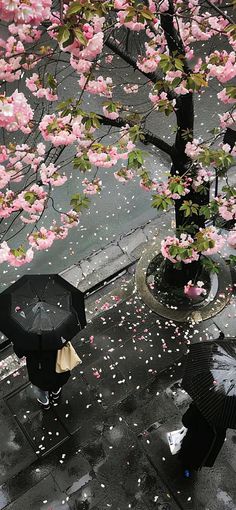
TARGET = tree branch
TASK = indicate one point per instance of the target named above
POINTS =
(222, 13)
(149, 137)
(130, 60)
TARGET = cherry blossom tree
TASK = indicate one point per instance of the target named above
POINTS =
(88, 35)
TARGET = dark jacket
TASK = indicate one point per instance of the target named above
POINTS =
(202, 442)
(41, 368)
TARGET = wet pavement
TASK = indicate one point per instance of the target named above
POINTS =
(104, 445)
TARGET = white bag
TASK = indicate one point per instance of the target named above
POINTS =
(175, 439)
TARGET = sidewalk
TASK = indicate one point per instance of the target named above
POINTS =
(104, 446)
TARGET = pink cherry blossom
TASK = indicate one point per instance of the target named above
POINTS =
(18, 257)
(222, 65)
(231, 239)
(94, 47)
(124, 175)
(32, 200)
(31, 11)
(92, 187)
(193, 149)
(210, 234)
(57, 129)
(41, 239)
(60, 231)
(15, 112)
(7, 206)
(133, 25)
(131, 88)
(4, 252)
(110, 115)
(101, 86)
(227, 208)
(82, 66)
(50, 175)
(70, 219)
(4, 177)
(185, 241)
(223, 96)
(227, 119)
(149, 63)
(203, 175)
(35, 85)
(193, 291)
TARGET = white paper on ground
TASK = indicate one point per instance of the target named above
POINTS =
(175, 439)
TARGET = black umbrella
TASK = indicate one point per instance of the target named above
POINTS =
(210, 379)
(38, 310)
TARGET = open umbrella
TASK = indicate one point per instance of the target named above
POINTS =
(38, 310)
(210, 379)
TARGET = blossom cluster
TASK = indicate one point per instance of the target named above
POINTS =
(187, 249)
(35, 85)
(222, 65)
(175, 187)
(30, 11)
(15, 112)
(92, 187)
(161, 102)
(16, 159)
(194, 290)
(63, 130)
(227, 207)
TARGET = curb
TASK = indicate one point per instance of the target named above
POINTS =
(116, 256)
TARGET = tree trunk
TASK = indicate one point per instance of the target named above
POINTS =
(185, 125)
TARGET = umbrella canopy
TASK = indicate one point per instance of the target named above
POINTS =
(37, 310)
(210, 379)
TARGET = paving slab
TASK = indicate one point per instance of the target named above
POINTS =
(90, 496)
(16, 453)
(46, 495)
(43, 429)
(97, 371)
(22, 482)
(77, 405)
(126, 466)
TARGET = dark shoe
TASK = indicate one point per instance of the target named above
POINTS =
(55, 395)
(44, 404)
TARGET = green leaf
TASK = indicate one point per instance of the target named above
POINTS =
(63, 34)
(29, 196)
(146, 14)
(79, 36)
(161, 202)
(231, 260)
(179, 64)
(205, 211)
(74, 9)
(210, 265)
(79, 201)
(51, 81)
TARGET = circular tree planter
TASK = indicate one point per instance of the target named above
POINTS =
(220, 290)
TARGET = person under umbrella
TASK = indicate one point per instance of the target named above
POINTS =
(41, 313)
(210, 379)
